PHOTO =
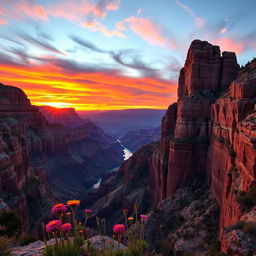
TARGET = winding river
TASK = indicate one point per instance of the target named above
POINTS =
(127, 154)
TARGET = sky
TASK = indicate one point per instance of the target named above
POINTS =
(113, 54)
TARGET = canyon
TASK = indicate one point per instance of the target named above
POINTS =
(208, 134)
(198, 183)
(43, 162)
(133, 140)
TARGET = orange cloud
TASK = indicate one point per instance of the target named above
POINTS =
(77, 11)
(32, 9)
(49, 84)
(98, 26)
(21, 9)
(145, 28)
(3, 21)
(228, 44)
(74, 10)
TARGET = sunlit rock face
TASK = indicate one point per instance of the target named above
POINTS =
(232, 153)
(205, 74)
(214, 132)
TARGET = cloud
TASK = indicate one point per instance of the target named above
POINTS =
(79, 10)
(139, 11)
(95, 25)
(199, 21)
(144, 28)
(135, 63)
(87, 44)
(228, 44)
(40, 43)
(85, 87)
(3, 21)
(21, 9)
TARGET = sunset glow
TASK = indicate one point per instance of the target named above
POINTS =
(111, 54)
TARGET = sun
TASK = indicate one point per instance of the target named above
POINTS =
(56, 104)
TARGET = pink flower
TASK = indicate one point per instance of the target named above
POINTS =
(143, 217)
(53, 226)
(119, 228)
(66, 227)
(88, 211)
(59, 209)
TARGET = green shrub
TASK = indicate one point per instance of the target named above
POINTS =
(247, 199)
(27, 239)
(67, 249)
(10, 223)
(5, 246)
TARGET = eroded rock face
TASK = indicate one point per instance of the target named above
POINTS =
(214, 133)
(184, 222)
(206, 69)
(159, 170)
(129, 185)
(232, 154)
(22, 186)
(35, 153)
(184, 153)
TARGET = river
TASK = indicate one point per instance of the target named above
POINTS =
(127, 154)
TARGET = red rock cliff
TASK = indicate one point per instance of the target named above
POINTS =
(186, 134)
(210, 132)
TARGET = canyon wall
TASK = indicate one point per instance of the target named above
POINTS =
(39, 159)
(208, 137)
(211, 131)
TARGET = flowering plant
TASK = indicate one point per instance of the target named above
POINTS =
(68, 236)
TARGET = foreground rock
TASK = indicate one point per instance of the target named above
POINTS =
(37, 248)
(185, 223)
(33, 249)
(99, 242)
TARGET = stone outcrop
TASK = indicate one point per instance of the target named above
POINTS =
(185, 223)
(232, 153)
(204, 75)
(214, 133)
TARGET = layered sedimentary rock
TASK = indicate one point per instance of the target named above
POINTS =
(35, 153)
(232, 153)
(214, 134)
(159, 165)
(65, 116)
(205, 74)
(23, 186)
